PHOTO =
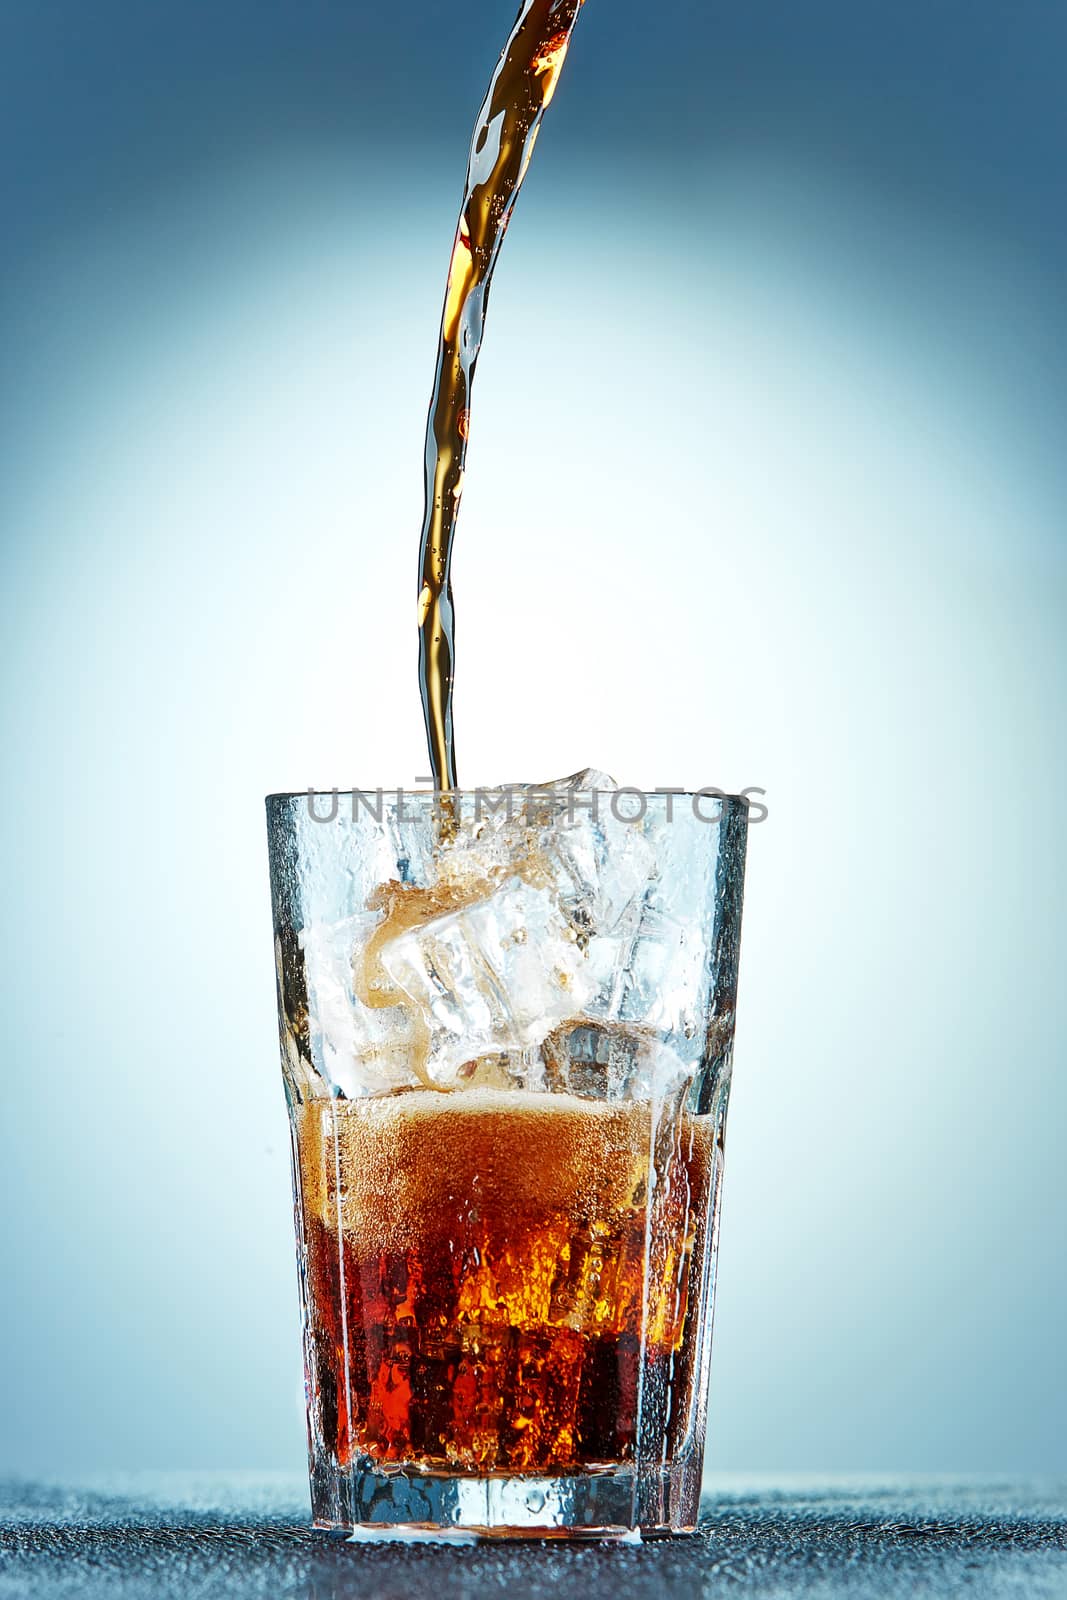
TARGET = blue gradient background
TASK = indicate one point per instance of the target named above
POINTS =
(781, 316)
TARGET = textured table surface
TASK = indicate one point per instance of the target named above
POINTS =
(246, 1538)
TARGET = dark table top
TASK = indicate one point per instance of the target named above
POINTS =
(246, 1537)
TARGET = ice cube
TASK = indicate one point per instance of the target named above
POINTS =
(599, 858)
(605, 1061)
(408, 835)
(496, 825)
(358, 1049)
(568, 836)
(601, 866)
(486, 848)
(493, 976)
(650, 971)
(590, 779)
(539, 805)
(562, 834)
(506, 1069)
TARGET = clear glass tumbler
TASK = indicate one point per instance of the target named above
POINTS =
(506, 1029)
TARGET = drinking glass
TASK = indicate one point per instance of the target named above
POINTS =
(506, 1024)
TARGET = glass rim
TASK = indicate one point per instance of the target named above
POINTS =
(531, 791)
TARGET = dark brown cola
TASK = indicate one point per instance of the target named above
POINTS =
(488, 1283)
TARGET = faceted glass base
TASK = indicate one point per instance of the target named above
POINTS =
(608, 1503)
